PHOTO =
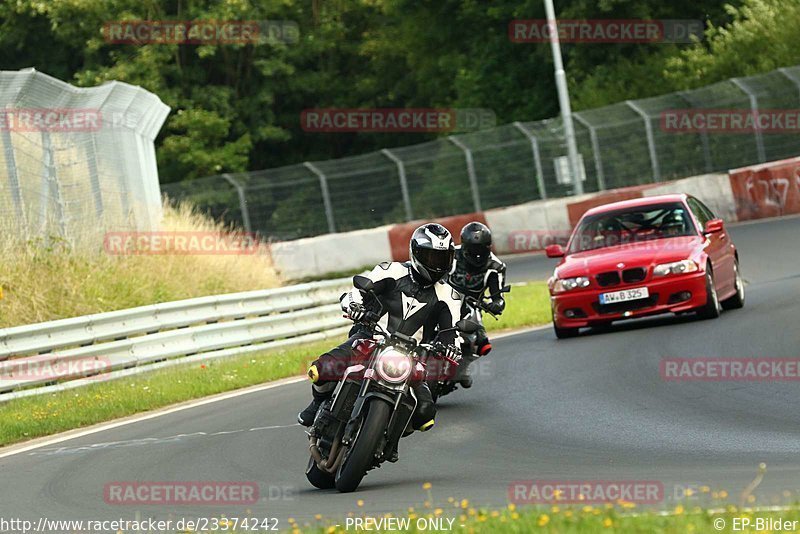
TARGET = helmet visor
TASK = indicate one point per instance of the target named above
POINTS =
(438, 261)
(477, 254)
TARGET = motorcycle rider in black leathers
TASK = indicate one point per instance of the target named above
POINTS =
(415, 298)
(477, 270)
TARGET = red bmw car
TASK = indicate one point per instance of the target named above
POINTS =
(640, 257)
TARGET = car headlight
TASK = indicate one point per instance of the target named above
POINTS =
(568, 284)
(676, 267)
(393, 365)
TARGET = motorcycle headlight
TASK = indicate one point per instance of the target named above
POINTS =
(393, 366)
(675, 267)
(568, 284)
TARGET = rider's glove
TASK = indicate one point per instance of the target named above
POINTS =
(452, 353)
(357, 312)
(496, 306)
(352, 305)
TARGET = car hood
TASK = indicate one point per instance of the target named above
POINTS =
(643, 254)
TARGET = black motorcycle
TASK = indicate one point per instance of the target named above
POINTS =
(360, 426)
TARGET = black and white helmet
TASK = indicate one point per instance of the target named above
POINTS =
(431, 251)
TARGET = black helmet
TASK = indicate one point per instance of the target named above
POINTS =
(476, 243)
(431, 250)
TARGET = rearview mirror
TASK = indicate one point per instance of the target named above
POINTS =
(506, 289)
(554, 251)
(363, 283)
(467, 326)
(714, 225)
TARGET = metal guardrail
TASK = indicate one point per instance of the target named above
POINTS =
(61, 354)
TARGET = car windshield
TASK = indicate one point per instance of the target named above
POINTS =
(632, 225)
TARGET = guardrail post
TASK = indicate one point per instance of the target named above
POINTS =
(762, 156)
(13, 181)
(598, 162)
(401, 172)
(242, 201)
(651, 142)
(537, 158)
(326, 195)
(686, 96)
(473, 179)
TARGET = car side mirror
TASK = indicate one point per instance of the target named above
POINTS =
(714, 225)
(467, 326)
(363, 283)
(554, 251)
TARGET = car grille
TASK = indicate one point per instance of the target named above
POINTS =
(619, 307)
(630, 276)
(610, 278)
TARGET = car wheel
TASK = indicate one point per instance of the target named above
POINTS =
(737, 300)
(563, 333)
(712, 307)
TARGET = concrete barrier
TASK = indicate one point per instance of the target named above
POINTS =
(529, 227)
(768, 190)
(331, 253)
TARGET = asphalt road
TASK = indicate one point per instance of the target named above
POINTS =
(589, 408)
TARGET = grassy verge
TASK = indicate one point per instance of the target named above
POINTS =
(43, 283)
(37, 416)
(607, 518)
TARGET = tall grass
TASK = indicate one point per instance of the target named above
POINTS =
(45, 281)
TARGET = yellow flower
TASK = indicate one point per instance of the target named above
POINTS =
(554, 509)
(331, 530)
(318, 517)
(438, 512)
(607, 522)
(464, 504)
(512, 506)
(543, 520)
(679, 509)
(587, 509)
(426, 486)
(689, 492)
(495, 513)
(412, 516)
(723, 494)
(514, 515)
(360, 503)
(427, 504)
(705, 489)
(568, 513)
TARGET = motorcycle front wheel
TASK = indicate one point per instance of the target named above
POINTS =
(358, 459)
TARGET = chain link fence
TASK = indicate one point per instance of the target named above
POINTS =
(77, 162)
(628, 143)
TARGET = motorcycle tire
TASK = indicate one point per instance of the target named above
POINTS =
(362, 452)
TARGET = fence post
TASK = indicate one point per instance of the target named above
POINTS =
(598, 162)
(537, 159)
(401, 172)
(703, 134)
(473, 180)
(762, 156)
(51, 184)
(13, 181)
(326, 195)
(651, 142)
(91, 161)
(242, 201)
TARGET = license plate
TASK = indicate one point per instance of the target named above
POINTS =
(624, 295)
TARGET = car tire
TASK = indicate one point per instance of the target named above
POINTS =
(712, 307)
(564, 333)
(737, 300)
